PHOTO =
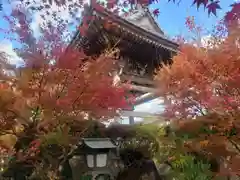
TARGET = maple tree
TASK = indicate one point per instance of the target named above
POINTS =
(204, 100)
(52, 100)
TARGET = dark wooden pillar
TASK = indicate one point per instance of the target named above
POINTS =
(131, 118)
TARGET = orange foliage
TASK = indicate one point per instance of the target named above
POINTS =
(57, 87)
(203, 79)
(202, 90)
(60, 91)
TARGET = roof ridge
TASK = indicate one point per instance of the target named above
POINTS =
(153, 19)
(140, 12)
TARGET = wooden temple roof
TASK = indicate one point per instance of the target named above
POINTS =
(140, 25)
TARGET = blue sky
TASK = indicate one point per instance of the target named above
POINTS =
(172, 16)
(3, 23)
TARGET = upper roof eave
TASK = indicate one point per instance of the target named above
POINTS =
(153, 20)
(168, 44)
(122, 22)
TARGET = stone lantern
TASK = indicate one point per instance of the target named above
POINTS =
(95, 159)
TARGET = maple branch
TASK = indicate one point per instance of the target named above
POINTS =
(24, 121)
(39, 96)
(197, 105)
(58, 96)
(179, 2)
(81, 93)
(35, 114)
(64, 85)
(64, 157)
(234, 144)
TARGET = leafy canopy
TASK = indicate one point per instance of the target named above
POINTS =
(204, 100)
(49, 102)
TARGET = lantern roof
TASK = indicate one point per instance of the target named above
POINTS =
(99, 143)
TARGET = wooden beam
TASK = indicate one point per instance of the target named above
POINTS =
(142, 89)
(136, 79)
(145, 98)
(131, 120)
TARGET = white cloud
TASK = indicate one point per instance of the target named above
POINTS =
(206, 40)
(62, 13)
(13, 58)
(209, 41)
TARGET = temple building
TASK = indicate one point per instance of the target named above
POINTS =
(142, 46)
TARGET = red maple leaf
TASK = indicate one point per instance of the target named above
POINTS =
(212, 8)
(125, 14)
(200, 2)
(190, 23)
(111, 4)
(116, 11)
(131, 2)
(145, 2)
(82, 29)
(234, 14)
(97, 6)
(236, 7)
(125, 4)
(156, 12)
(230, 16)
